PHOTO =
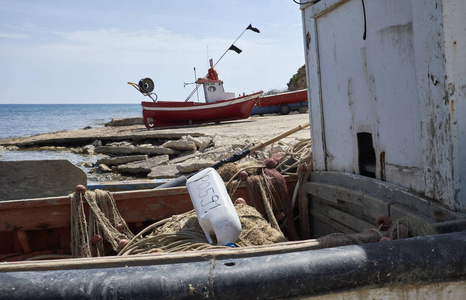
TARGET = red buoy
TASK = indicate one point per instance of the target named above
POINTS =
(385, 221)
(95, 239)
(122, 243)
(239, 201)
(243, 175)
(80, 189)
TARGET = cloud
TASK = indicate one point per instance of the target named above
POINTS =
(122, 39)
(158, 48)
(26, 27)
(15, 36)
(98, 63)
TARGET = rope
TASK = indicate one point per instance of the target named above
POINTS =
(183, 232)
(290, 161)
(409, 226)
(268, 191)
(79, 237)
(88, 238)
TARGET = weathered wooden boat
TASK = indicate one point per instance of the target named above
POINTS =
(363, 166)
(41, 226)
(384, 137)
(35, 249)
(282, 103)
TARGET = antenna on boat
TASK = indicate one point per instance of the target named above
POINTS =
(195, 78)
(195, 89)
(207, 56)
(232, 47)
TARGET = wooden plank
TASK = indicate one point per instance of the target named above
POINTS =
(134, 206)
(160, 258)
(352, 200)
(332, 223)
(23, 239)
(303, 176)
(335, 193)
(450, 226)
(334, 214)
(374, 206)
(349, 220)
(398, 211)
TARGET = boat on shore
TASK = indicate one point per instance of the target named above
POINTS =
(174, 113)
(218, 106)
(40, 227)
(282, 103)
(36, 262)
(362, 176)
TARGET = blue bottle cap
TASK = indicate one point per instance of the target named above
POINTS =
(230, 245)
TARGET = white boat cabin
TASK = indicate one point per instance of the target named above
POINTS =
(213, 87)
(214, 91)
(387, 92)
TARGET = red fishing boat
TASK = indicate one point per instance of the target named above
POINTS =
(173, 113)
(282, 103)
(218, 106)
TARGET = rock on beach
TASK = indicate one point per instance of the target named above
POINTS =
(169, 152)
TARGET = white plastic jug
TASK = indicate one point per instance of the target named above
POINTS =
(215, 211)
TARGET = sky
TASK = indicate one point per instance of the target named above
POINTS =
(57, 51)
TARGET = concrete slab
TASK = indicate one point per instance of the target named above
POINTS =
(38, 178)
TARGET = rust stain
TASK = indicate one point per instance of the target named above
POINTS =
(382, 166)
(11, 227)
(308, 40)
(440, 215)
(43, 226)
(452, 107)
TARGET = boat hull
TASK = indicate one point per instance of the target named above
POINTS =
(177, 113)
(418, 267)
(414, 268)
(41, 226)
(276, 109)
(283, 98)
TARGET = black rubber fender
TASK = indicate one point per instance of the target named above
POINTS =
(268, 276)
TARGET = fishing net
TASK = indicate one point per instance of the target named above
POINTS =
(296, 156)
(103, 226)
(183, 233)
(103, 231)
(267, 187)
(408, 226)
(177, 233)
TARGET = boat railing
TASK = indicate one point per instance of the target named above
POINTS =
(145, 92)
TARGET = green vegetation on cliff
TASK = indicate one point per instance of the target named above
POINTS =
(298, 81)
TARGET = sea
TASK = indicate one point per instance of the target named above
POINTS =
(20, 120)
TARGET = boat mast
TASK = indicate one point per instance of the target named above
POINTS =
(232, 47)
